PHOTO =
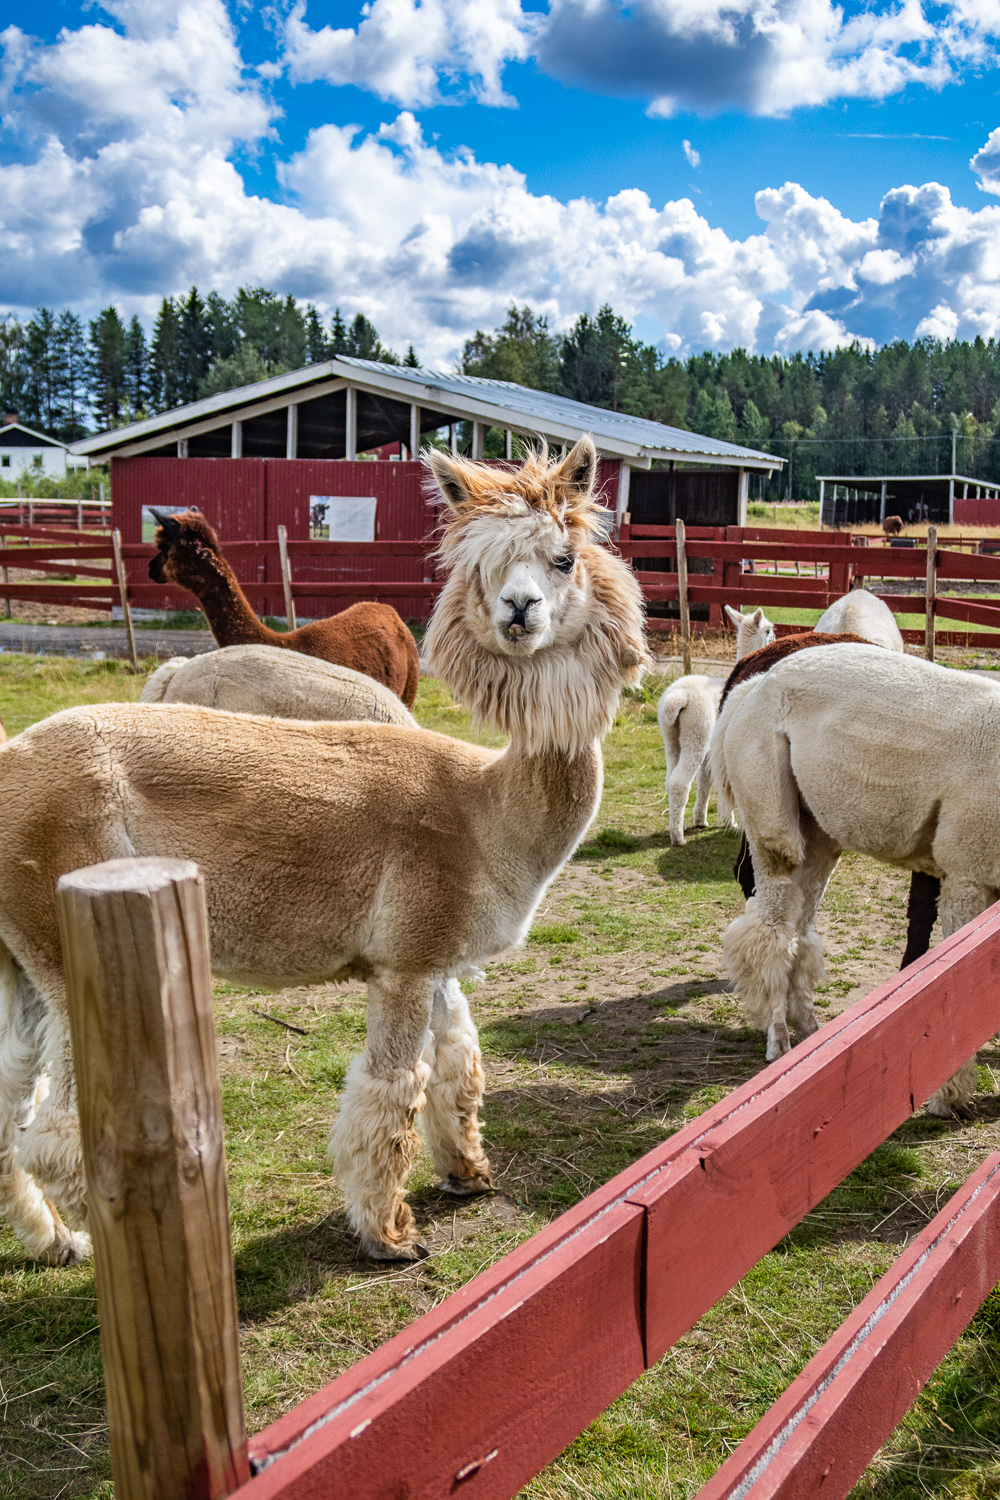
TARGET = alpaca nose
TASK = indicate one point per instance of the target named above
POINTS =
(518, 622)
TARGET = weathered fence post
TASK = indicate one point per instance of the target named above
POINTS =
(286, 577)
(682, 594)
(122, 581)
(930, 597)
(136, 952)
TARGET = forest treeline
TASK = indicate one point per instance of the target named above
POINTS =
(68, 378)
(850, 410)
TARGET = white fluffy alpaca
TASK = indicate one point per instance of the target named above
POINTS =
(853, 747)
(865, 614)
(279, 684)
(686, 712)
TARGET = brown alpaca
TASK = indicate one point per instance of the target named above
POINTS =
(368, 637)
(892, 525)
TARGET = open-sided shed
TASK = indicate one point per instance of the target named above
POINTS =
(850, 500)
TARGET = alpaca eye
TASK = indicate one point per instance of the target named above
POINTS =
(565, 563)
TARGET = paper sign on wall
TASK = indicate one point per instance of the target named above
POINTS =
(351, 518)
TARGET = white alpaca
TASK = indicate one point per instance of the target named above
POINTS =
(280, 684)
(686, 713)
(865, 614)
(853, 747)
(334, 851)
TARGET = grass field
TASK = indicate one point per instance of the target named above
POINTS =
(609, 1030)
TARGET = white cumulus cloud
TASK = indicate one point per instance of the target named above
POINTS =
(122, 184)
(693, 156)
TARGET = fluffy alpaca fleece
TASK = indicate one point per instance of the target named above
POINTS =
(853, 747)
(280, 684)
(331, 851)
(370, 638)
(686, 713)
(864, 614)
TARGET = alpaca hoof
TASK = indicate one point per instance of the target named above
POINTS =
(466, 1187)
(396, 1254)
(65, 1249)
(678, 840)
(964, 1112)
(778, 1041)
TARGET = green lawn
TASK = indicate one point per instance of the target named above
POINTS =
(608, 1031)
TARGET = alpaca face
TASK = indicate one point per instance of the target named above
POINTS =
(535, 600)
(186, 544)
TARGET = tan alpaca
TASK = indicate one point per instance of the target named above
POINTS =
(330, 851)
(282, 684)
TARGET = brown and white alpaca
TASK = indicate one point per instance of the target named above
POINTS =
(331, 851)
(367, 637)
(853, 747)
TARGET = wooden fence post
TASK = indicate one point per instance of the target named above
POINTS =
(116, 548)
(682, 593)
(930, 594)
(286, 577)
(136, 952)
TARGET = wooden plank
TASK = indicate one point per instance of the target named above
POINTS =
(286, 578)
(136, 951)
(766, 1155)
(119, 573)
(968, 565)
(818, 1437)
(481, 1393)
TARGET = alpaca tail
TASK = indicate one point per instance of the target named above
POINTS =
(672, 703)
(155, 690)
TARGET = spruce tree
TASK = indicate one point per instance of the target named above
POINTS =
(362, 341)
(41, 359)
(339, 342)
(71, 349)
(137, 371)
(292, 337)
(194, 346)
(106, 368)
(164, 358)
(411, 360)
(224, 338)
(317, 348)
(12, 367)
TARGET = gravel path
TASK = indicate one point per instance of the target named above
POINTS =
(94, 642)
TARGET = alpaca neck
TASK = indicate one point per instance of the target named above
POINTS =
(544, 803)
(227, 608)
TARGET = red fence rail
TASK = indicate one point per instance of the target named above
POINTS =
(483, 1391)
(727, 565)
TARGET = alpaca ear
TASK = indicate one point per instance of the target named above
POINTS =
(734, 616)
(758, 616)
(448, 476)
(578, 469)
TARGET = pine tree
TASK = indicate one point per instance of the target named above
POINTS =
(362, 341)
(339, 342)
(594, 356)
(260, 320)
(12, 368)
(194, 346)
(106, 368)
(292, 335)
(411, 360)
(71, 350)
(317, 348)
(137, 371)
(522, 350)
(41, 359)
(224, 338)
(164, 358)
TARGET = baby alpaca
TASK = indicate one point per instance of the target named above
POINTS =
(687, 712)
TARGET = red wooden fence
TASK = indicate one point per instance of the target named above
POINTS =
(330, 575)
(479, 1394)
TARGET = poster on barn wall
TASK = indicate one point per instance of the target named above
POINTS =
(345, 518)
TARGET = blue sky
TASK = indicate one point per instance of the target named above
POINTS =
(769, 173)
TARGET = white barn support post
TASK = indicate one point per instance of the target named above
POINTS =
(136, 952)
(351, 422)
(478, 439)
(414, 430)
(236, 440)
(621, 504)
(292, 431)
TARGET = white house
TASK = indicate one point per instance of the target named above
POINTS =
(25, 453)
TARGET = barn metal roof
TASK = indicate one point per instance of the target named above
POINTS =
(455, 397)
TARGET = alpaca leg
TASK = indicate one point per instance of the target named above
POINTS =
(373, 1143)
(450, 1121)
(702, 795)
(22, 1088)
(760, 950)
(50, 1148)
(812, 877)
(679, 787)
(961, 900)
